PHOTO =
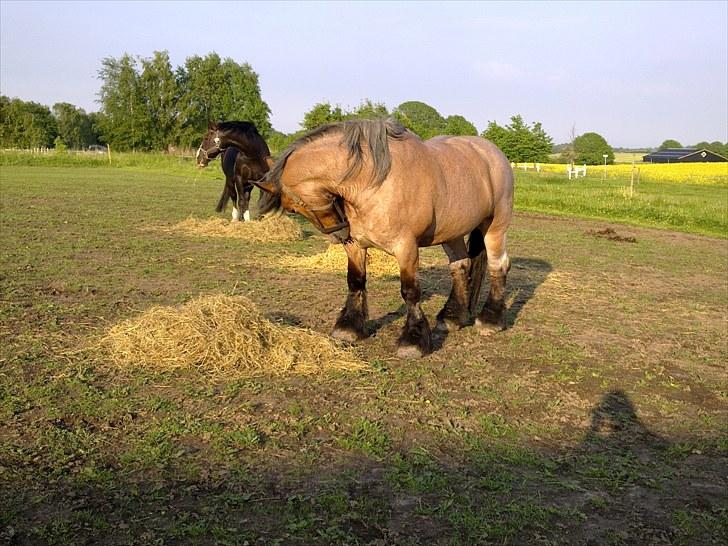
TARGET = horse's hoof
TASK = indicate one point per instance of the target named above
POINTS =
(349, 336)
(409, 351)
(488, 328)
(447, 325)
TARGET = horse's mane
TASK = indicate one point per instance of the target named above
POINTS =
(375, 134)
(246, 131)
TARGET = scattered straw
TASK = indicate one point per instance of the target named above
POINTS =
(334, 259)
(222, 335)
(270, 228)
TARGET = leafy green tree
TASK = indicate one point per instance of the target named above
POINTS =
(74, 126)
(420, 118)
(216, 90)
(590, 149)
(242, 99)
(124, 122)
(669, 144)
(321, 114)
(277, 141)
(520, 142)
(59, 145)
(458, 125)
(96, 121)
(715, 146)
(158, 94)
(26, 124)
(368, 110)
(719, 148)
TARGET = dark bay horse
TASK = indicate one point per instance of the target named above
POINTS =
(374, 184)
(245, 157)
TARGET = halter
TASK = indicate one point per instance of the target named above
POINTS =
(341, 223)
(202, 150)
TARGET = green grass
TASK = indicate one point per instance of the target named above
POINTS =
(682, 207)
(598, 415)
(182, 165)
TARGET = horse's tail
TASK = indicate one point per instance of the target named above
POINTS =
(478, 261)
(223, 199)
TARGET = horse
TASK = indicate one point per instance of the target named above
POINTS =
(372, 183)
(245, 156)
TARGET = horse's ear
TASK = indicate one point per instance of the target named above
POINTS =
(267, 185)
(211, 125)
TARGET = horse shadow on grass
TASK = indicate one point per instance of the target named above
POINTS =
(525, 276)
(622, 484)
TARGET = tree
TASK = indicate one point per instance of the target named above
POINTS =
(590, 149)
(26, 124)
(215, 90)
(669, 144)
(158, 94)
(458, 125)
(124, 121)
(715, 146)
(74, 126)
(368, 110)
(520, 142)
(321, 114)
(420, 118)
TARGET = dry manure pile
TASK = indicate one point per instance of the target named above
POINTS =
(270, 228)
(222, 335)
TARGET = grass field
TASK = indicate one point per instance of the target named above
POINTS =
(598, 417)
(681, 206)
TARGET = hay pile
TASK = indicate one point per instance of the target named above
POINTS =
(222, 335)
(334, 259)
(271, 228)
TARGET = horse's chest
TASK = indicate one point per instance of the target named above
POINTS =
(366, 242)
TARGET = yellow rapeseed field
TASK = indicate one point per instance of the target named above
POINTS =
(691, 173)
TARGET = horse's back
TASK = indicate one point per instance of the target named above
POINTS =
(470, 164)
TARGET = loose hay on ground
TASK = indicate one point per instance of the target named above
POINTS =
(270, 228)
(222, 335)
(334, 259)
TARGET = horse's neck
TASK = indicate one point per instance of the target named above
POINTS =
(232, 139)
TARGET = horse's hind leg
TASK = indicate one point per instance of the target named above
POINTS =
(416, 337)
(493, 316)
(351, 324)
(455, 313)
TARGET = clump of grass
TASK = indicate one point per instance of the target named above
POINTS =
(272, 228)
(222, 335)
(334, 259)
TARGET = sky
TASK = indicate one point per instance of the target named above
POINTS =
(637, 73)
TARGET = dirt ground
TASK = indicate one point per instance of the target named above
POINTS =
(598, 417)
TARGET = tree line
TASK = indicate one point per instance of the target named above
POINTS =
(147, 104)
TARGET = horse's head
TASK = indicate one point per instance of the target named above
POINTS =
(310, 199)
(210, 147)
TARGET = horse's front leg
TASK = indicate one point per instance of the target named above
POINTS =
(243, 191)
(416, 337)
(351, 324)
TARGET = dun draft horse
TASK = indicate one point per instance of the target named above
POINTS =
(375, 184)
(245, 157)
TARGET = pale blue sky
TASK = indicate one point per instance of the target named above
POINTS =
(635, 72)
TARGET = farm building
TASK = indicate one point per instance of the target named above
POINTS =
(683, 155)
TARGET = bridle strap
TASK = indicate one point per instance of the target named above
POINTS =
(334, 204)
